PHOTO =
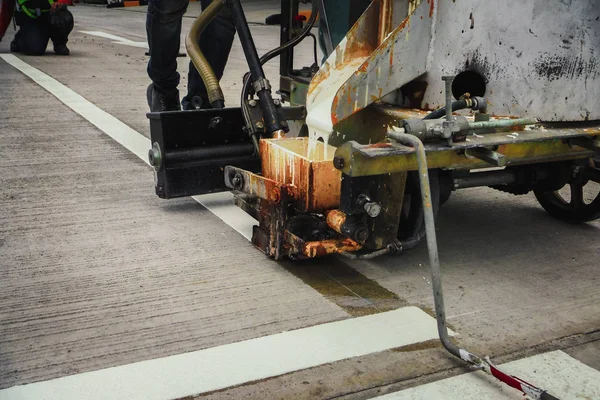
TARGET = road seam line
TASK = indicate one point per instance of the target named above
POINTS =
(220, 204)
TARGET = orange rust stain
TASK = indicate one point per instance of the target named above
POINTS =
(335, 220)
(334, 107)
(364, 67)
(374, 98)
(325, 247)
(334, 118)
(403, 24)
(355, 48)
(431, 7)
(379, 145)
(593, 131)
(322, 75)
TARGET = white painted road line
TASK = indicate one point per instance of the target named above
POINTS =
(116, 39)
(557, 372)
(237, 363)
(220, 204)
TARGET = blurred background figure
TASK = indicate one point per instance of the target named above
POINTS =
(39, 21)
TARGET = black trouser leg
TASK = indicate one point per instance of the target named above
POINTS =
(60, 34)
(33, 35)
(163, 27)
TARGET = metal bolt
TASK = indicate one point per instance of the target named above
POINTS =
(237, 181)
(252, 103)
(338, 162)
(260, 125)
(361, 234)
(155, 156)
(214, 122)
(277, 102)
(372, 209)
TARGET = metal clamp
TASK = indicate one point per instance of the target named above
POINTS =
(261, 84)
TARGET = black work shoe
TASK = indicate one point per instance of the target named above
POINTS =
(61, 50)
(197, 103)
(162, 101)
(14, 47)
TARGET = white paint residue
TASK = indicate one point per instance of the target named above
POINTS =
(320, 102)
(430, 54)
(238, 363)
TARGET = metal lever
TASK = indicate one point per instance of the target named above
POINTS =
(262, 86)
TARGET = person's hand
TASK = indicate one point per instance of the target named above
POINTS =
(57, 6)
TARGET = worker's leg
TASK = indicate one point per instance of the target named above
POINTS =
(163, 27)
(60, 28)
(32, 37)
(215, 43)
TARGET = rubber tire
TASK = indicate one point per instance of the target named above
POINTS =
(550, 202)
(414, 221)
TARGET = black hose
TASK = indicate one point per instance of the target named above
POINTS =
(315, 51)
(440, 112)
(266, 58)
(475, 103)
(215, 94)
(277, 51)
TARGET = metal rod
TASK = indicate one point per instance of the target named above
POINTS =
(436, 279)
(490, 178)
(261, 83)
(448, 124)
(434, 260)
(502, 123)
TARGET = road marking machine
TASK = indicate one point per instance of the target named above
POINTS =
(414, 99)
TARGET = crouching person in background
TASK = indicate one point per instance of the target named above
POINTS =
(39, 22)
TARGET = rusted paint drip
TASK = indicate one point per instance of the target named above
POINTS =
(325, 247)
(385, 19)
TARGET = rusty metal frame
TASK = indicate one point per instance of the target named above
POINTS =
(271, 203)
(523, 147)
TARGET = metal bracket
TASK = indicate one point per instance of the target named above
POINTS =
(256, 185)
(489, 156)
(284, 113)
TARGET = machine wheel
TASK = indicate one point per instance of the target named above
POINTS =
(577, 201)
(411, 219)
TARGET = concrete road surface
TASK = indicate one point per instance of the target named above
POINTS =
(99, 276)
